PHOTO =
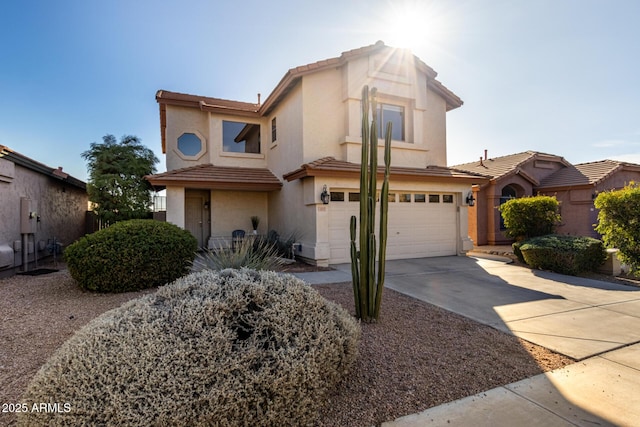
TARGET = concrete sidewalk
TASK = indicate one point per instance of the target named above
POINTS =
(595, 322)
(600, 391)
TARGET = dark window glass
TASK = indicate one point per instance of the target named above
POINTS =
(434, 198)
(354, 197)
(273, 130)
(240, 137)
(419, 198)
(447, 198)
(337, 196)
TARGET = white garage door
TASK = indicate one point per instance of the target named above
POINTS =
(420, 224)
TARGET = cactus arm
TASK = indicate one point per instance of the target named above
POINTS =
(355, 273)
(364, 217)
(384, 209)
(373, 160)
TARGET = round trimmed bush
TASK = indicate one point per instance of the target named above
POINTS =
(131, 255)
(563, 254)
(228, 348)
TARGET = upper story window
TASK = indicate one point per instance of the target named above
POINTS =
(189, 144)
(238, 137)
(274, 134)
(395, 115)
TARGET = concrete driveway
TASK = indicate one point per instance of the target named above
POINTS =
(581, 318)
(577, 317)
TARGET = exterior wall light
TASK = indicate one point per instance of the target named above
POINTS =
(470, 199)
(324, 196)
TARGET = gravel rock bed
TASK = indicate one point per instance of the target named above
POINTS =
(419, 355)
(416, 357)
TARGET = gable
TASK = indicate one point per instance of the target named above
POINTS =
(533, 166)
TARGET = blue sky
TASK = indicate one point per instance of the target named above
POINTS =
(557, 76)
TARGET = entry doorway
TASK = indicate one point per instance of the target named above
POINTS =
(196, 215)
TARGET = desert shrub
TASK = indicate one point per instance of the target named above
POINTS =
(563, 254)
(229, 348)
(251, 252)
(131, 255)
(619, 223)
(283, 245)
(530, 216)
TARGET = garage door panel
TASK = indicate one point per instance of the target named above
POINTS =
(415, 230)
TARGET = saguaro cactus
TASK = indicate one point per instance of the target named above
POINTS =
(367, 285)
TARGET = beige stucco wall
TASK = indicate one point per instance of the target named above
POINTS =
(175, 205)
(186, 120)
(61, 208)
(286, 153)
(232, 210)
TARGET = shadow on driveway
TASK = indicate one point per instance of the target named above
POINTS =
(574, 316)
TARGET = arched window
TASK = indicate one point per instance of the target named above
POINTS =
(508, 192)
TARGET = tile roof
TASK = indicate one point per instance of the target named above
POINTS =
(585, 173)
(55, 173)
(331, 167)
(502, 166)
(218, 178)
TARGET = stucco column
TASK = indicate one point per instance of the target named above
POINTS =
(320, 215)
(175, 206)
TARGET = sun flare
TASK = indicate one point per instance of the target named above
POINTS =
(415, 24)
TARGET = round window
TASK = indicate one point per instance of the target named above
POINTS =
(189, 144)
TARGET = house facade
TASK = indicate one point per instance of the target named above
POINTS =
(229, 160)
(40, 205)
(531, 173)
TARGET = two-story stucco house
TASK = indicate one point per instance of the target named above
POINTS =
(228, 160)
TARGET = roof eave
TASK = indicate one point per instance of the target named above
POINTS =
(398, 174)
(34, 165)
(161, 183)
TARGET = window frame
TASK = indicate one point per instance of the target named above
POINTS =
(274, 132)
(246, 125)
(382, 124)
(196, 156)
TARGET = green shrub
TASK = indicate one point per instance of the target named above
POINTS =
(619, 223)
(251, 252)
(229, 348)
(530, 216)
(516, 250)
(131, 255)
(563, 254)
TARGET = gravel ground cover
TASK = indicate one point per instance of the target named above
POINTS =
(416, 357)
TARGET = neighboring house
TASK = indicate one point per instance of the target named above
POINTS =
(229, 160)
(39, 204)
(532, 173)
(577, 186)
